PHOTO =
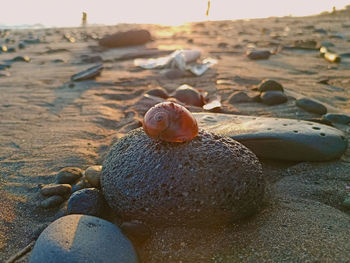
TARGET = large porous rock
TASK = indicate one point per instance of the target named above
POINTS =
(127, 38)
(81, 238)
(211, 180)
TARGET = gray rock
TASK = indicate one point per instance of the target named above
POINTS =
(56, 189)
(273, 97)
(311, 106)
(52, 201)
(274, 138)
(238, 97)
(88, 201)
(258, 54)
(337, 118)
(127, 38)
(69, 175)
(93, 174)
(269, 85)
(210, 180)
(80, 239)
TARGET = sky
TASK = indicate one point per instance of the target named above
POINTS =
(169, 12)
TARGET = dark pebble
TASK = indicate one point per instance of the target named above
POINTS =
(238, 97)
(21, 45)
(21, 59)
(69, 175)
(311, 106)
(56, 189)
(88, 201)
(4, 66)
(136, 231)
(337, 118)
(270, 85)
(258, 54)
(11, 49)
(273, 97)
(158, 92)
(128, 38)
(52, 201)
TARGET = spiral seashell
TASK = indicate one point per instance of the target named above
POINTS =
(170, 122)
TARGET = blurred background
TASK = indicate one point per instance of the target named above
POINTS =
(66, 13)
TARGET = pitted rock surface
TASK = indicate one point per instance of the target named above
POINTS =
(210, 180)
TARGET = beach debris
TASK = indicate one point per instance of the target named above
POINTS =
(269, 138)
(258, 54)
(170, 122)
(311, 106)
(56, 189)
(127, 38)
(209, 181)
(136, 231)
(52, 201)
(239, 97)
(69, 175)
(270, 85)
(88, 201)
(274, 97)
(189, 95)
(183, 60)
(329, 56)
(213, 103)
(89, 73)
(337, 118)
(79, 238)
(93, 174)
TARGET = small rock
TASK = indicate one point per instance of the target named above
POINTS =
(273, 97)
(136, 231)
(80, 239)
(89, 73)
(189, 95)
(83, 183)
(337, 118)
(238, 97)
(69, 175)
(52, 201)
(158, 92)
(93, 174)
(56, 189)
(311, 106)
(21, 45)
(346, 202)
(58, 60)
(88, 201)
(4, 66)
(21, 59)
(258, 54)
(11, 49)
(128, 38)
(269, 85)
(321, 31)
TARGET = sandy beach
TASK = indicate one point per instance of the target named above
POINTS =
(48, 122)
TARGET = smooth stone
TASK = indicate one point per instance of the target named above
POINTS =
(11, 49)
(69, 175)
(188, 95)
(158, 92)
(88, 201)
(270, 85)
(239, 97)
(93, 174)
(136, 231)
(258, 54)
(52, 201)
(273, 97)
(337, 118)
(209, 181)
(56, 189)
(80, 239)
(277, 138)
(311, 106)
(89, 73)
(127, 38)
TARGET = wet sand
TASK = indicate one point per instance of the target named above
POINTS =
(47, 123)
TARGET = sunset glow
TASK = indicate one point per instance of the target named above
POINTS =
(168, 12)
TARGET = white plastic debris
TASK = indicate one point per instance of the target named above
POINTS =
(180, 59)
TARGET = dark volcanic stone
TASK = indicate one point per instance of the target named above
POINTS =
(311, 106)
(88, 201)
(273, 97)
(128, 38)
(69, 175)
(210, 180)
(80, 239)
(269, 85)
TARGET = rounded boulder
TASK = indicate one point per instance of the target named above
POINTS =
(211, 180)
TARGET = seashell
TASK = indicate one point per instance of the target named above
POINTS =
(170, 122)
